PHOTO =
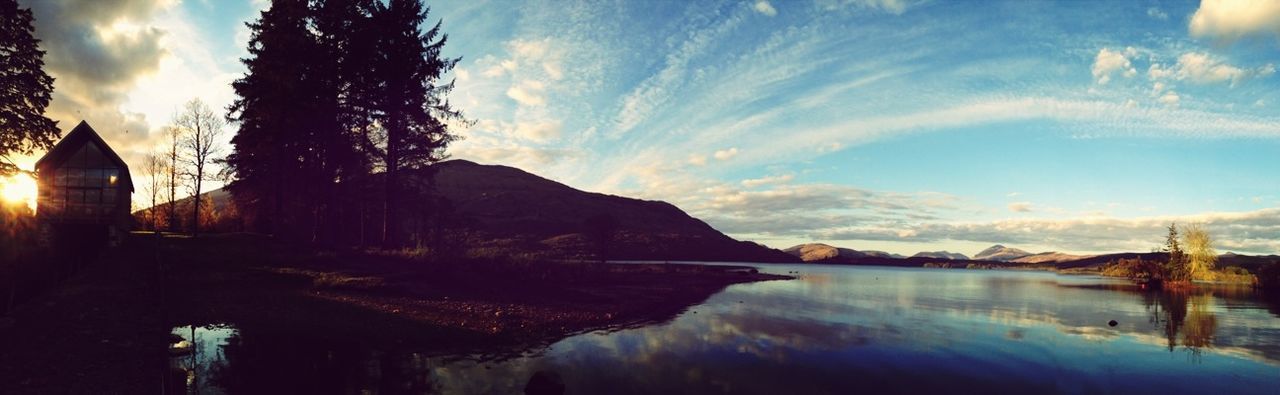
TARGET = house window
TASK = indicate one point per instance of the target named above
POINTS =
(88, 178)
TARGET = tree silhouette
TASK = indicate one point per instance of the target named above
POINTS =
(336, 92)
(26, 90)
(273, 111)
(201, 132)
(409, 102)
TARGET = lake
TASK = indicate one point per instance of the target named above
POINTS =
(835, 329)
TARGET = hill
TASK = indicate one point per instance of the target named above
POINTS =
(507, 208)
(822, 253)
(941, 255)
(1000, 253)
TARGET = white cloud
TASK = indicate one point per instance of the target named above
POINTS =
(767, 180)
(1109, 62)
(1157, 71)
(1202, 68)
(1170, 98)
(765, 8)
(528, 93)
(896, 7)
(1199, 68)
(698, 160)
(1230, 20)
(1251, 232)
(726, 154)
(1020, 207)
(542, 130)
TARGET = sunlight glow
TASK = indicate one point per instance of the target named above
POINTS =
(18, 188)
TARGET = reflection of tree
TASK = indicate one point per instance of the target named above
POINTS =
(279, 363)
(1186, 314)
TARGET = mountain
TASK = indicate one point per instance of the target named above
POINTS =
(1000, 253)
(1050, 257)
(509, 209)
(818, 252)
(941, 255)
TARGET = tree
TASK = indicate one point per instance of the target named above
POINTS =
(1176, 265)
(274, 108)
(1201, 256)
(409, 101)
(155, 168)
(201, 131)
(172, 154)
(27, 89)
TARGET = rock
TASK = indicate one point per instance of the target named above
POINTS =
(1113, 323)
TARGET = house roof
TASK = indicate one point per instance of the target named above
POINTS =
(72, 142)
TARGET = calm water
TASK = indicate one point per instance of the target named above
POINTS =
(834, 330)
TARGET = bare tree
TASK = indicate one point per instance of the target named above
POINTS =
(171, 154)
(156, 170)
(201, 130)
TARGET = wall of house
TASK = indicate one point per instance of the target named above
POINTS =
(87, 188)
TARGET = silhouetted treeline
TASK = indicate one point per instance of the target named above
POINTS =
(341, 99)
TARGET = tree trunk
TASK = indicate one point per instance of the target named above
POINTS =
(195, 212)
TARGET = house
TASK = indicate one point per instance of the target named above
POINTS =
(85, 188)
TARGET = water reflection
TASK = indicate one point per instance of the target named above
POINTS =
(836, 330)
(1185, 313)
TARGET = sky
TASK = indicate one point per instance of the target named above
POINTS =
(893, 125)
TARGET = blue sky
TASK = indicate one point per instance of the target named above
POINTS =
(871, 124)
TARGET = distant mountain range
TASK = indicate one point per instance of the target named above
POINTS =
(818, 252)
(941, 255)
(997, 256)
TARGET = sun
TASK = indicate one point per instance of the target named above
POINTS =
(18, 189)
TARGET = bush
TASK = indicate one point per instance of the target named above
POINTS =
(1136, 269)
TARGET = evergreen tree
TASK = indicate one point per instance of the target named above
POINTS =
(27, 89)
(344, 31)
(409, 101)
(1176, 267)
(273, 112)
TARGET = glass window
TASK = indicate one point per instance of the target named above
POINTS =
(60, 177)
(78, 160)
(93, 196)
(109, 196)
(113, 176)
(94, 156)
(75, 196)
(93, 178)
(75, 177)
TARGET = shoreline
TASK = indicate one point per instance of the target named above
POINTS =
(108, 326)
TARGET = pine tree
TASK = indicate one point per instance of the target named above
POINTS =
(1176, 266)
(273, 111)
(343, 30)
(409, 100)
(27, 89)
